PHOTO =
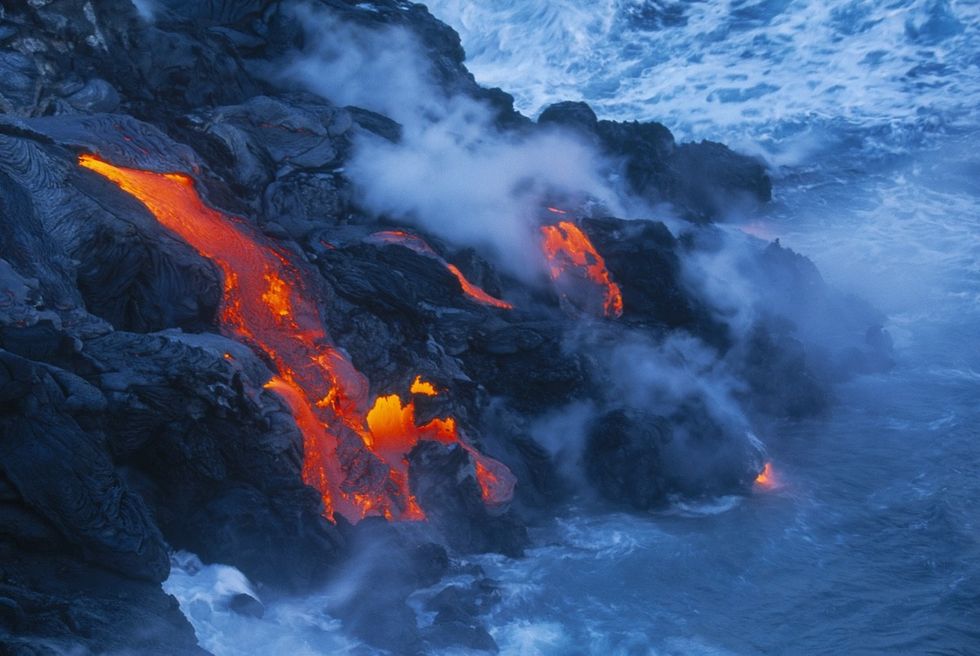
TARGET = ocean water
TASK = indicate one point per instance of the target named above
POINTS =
(868, 115)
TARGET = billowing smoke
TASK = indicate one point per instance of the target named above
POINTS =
(380, 69)
(563, 434)
(453, 173)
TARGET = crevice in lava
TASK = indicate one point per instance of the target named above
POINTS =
(355, 451)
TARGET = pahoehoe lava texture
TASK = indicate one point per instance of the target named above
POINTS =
(130, 427)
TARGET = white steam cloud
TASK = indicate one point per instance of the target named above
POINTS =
(660, 377)
(453, 173)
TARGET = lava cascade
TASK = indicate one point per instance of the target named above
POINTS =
(417, 244)
(570, 253)
(267, 305)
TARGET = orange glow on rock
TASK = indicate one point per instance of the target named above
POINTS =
(267, 305)
(767, 477)
(419, 245)
(422, 387)
(394, 433)
(569, 249)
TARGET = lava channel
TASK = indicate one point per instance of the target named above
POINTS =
(419, 245)
(571, 257)
(266, 305)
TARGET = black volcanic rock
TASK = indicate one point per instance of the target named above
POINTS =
(703, 181)
(574, 115)
(65, 475)
(55, 604)
(644, 259)
(220, 458)
(640, 459)
(624, 459)
(443, 479)
(387, 564)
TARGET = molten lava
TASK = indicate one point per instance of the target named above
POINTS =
(266, 305)
(422, 387)
(570, 252)
(417, 244)
(767, 477)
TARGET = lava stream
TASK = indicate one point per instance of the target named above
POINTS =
(569, 250)
(266, 305)
(419, 245)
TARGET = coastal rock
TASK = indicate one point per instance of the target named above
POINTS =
(703, 181)
(443, 480)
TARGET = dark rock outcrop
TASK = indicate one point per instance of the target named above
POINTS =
(443, 479)
(703, 181)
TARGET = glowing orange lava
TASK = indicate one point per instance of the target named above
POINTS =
(417, 244)
(767, 477)
(568, 248)
(267, 306)
(423, 387)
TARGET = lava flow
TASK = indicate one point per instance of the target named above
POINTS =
(569, 249)
(417, 244)
(767, 477)
(267, 305)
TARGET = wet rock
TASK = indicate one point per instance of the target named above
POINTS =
(714, 181)
(575, 115)
(775, 366)
(53, 604)
(624, 458)
(443, 480)
(640, 459)
(388, 563)
(459, 603)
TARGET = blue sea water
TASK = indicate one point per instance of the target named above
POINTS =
(867, 114)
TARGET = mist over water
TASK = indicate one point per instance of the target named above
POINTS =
(866, 113)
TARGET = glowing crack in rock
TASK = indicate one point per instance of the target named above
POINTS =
(268, 305)
(419, 245)
(570, 252)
